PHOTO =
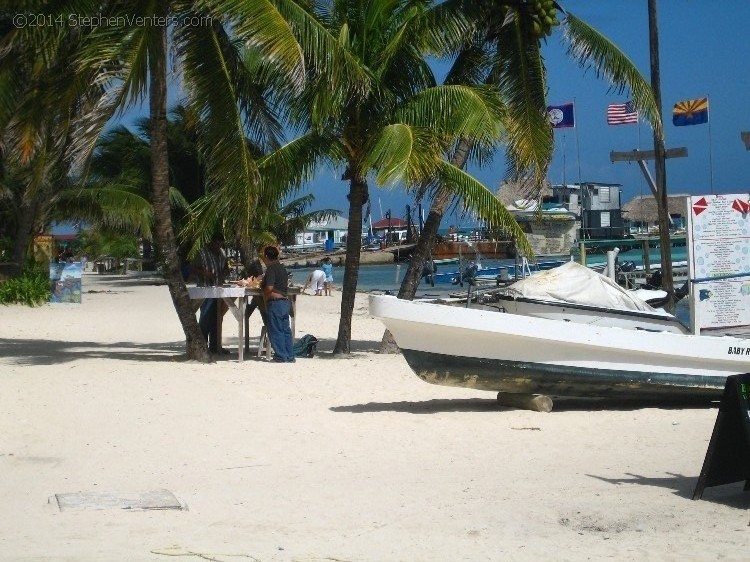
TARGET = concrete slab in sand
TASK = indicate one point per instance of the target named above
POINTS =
(155, 499)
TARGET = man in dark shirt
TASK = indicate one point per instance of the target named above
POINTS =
(274, 288)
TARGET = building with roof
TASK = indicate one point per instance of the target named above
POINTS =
(642, 213)
(316, 233)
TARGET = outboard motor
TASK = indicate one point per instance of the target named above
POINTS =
(655, 279)
(627, 266)
(469, 274)
(681, 292)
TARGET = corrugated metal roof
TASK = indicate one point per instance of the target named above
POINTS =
(336, 223)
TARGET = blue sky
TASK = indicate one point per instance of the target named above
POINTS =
(703, 51)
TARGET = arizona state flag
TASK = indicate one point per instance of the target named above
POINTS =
(690, 112)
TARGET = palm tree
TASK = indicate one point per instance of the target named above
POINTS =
(132, 61)
(116, 194)
(40, 98)
(505, 50)
(400, 130)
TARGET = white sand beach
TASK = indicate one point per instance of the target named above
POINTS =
(331, 458)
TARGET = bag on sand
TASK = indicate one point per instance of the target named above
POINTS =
(305, 346)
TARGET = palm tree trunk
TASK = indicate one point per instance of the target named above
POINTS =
(357, 190)
(27, 214)
(165, 237)
(426, 242)
(662, 200)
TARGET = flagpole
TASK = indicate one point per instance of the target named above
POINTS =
(565, 136)
(710, 151)
(640, 176)
(578, 146)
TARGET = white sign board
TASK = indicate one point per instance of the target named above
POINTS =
(719, 260)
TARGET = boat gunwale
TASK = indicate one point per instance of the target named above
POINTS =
(593, 308)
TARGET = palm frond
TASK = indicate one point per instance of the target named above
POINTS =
(475, 112)
(402, 153)
(519, 68)
(591, 49)
(262, 25)
(290, 166)
(229, 167)
(115, 207)
(477, 199)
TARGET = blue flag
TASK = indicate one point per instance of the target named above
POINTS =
(561, 116)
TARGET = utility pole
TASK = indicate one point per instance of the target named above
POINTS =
(662, 202)
(640, 156)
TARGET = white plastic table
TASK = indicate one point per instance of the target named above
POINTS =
(236, 300)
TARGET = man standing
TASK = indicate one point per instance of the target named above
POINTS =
(210, 268)
(274, 288)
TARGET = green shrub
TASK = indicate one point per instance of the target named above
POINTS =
(31, 289)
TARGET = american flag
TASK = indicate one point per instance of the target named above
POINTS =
(621, 113)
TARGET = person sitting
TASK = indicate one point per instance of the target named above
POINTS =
(316, 280)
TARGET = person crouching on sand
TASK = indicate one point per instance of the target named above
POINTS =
(316, 280)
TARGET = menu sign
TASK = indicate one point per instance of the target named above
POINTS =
(719, 264)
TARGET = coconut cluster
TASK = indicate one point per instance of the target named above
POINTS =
(543, 14)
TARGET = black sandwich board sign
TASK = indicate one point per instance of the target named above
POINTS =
(728, 455)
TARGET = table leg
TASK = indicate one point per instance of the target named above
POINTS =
(293, 314)
(241, 328)
(219, 324)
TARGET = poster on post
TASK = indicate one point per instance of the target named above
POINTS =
(719, 265)
(65, 282)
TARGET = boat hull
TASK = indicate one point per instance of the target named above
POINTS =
(523, 377)
(508, 353)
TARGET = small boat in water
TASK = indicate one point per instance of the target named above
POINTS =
(510, 353)
(478, 272)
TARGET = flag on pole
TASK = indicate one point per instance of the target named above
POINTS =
(621, 113)
(561, 116)
(690, 112)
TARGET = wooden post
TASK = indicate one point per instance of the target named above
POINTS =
(659, 156)
(583, 253)
(646, 255)
(533, 402)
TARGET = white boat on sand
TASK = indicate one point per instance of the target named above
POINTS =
(487, 350)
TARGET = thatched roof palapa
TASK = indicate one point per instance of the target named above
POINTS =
(643, 208)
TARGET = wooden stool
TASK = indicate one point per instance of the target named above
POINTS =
(264, 342)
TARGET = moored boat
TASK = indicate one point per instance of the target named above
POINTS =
(486, 350)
